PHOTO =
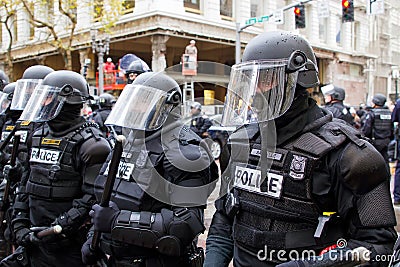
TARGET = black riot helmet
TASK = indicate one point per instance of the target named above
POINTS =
(3, 79)
(147, 102)
(9, 89)
(36, 72)
(274, 65)
(106, 100)
(335, 92)
(137, 67)
(57, 88)
(379, 100)
(6, 96)
(280, 45)
(25, 86)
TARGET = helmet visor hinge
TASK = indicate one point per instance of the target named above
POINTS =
(296, 61)
(66, 90)
(173, 98)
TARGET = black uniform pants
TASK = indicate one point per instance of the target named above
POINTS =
(48, 256)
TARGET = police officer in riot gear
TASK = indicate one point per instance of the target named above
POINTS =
(159, 194)
(106, 102)
(199, 123)
(137, 67)
(334, 97)
(66, 154)
(378, 125)
(19, 94)
(313, 180)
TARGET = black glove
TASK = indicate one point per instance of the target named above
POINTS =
(22, 236)
(90, 256)
(26, 236)
(66, 223)
(13, 174)
(104, 217)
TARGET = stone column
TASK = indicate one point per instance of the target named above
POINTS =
(159, 49)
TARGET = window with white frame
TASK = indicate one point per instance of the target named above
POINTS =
(192, 4)
(338, 32)
(323, 30)
(226, 8)
(128, 6)
(256, 8)
(356, 34)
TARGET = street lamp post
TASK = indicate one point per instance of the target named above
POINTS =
(101, 47)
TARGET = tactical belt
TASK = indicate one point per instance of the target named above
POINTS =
(286, 240)
(52, 192)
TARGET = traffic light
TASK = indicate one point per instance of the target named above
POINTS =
(347, 11)
(300, 16)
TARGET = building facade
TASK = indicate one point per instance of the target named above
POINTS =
(358, 56)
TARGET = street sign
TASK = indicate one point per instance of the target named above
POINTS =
(254, 20)
(277, 16)
(375, 7)
(323, 9)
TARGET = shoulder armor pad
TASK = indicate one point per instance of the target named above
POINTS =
(362, 168)
(337, 131)
(329, 136)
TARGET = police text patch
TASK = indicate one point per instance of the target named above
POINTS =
(250, 179)
(44, 155)
(124, 170)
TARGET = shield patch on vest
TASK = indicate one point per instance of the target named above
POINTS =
(297, 167)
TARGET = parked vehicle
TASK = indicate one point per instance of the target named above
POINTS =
(219, 134)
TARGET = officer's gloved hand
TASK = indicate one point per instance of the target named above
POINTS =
(103, 218)
(11, 173)
(22, 236)
(66, 223)
(90, 256)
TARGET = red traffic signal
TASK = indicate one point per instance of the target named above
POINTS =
(347, 11)
(300, 16)
(297, 11)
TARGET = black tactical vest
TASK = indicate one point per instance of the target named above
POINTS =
(140, 176)
(55, 172)
(382, 126)
(279, 212)
(136, 172)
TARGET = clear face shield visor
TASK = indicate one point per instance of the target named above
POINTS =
(4, 102)
(45, 103)
(261, 90)
(22, 93)
(140, 108)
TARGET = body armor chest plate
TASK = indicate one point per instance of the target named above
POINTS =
(382, 123)
(55, 170)
(279, 210)
(137, 174)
